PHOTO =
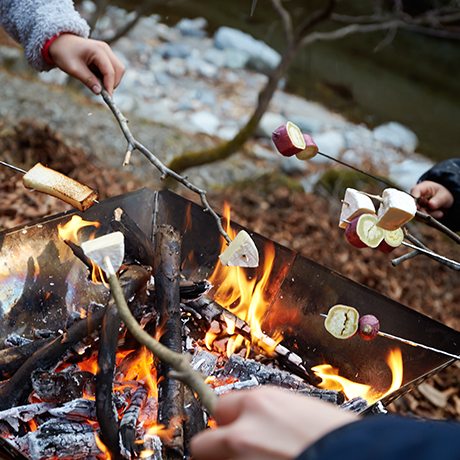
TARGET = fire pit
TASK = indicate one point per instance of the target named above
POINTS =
(45, 287)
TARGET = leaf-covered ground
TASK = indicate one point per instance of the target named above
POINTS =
(307, 223)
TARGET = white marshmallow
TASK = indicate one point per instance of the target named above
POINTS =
(355, 203)
(397, 209)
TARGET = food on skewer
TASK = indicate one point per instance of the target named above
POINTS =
(391, 240)
(354, 204)
(310, 150)
(342, 321)
(368, 327)
(46, 180)
(396, 209)
(288, 139)
(241, 252)
(363, 232)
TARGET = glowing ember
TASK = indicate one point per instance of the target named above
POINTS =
(332, 381)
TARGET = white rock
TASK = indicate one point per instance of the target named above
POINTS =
(331, 143)
(395, 134)
(407, 172)
(269, 122)
(205, 122)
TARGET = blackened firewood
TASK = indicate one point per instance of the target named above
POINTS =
(18, 388)
(80, 409)
(107, 414)
(153, 445)
(60, 386)
(211, 311)
(204, 362)
(192, 290)
(194, 421)
(357, 404)
(78, 252)
(130, 418)
(16, 415)
(11, 359)
(8, 451)
(57, 438)
(137, 245)
(167, 302)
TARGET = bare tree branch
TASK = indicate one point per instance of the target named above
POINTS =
(286, 20)
(165, 171)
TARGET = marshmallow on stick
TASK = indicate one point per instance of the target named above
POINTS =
(355, 203)
(397, 209)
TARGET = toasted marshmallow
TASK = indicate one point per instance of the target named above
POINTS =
(355, 203)
(397, 209)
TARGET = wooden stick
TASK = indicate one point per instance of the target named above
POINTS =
(167, 304)
(181, 363)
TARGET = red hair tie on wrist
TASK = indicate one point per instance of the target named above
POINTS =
(46, 50)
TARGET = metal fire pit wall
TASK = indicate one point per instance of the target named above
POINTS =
(43, 283)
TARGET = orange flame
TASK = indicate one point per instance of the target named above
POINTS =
(332, 381)
(102, 448)
(69, 231)
(242, 293)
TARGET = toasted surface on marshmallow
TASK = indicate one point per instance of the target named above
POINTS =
(397, 209)
(354, 204)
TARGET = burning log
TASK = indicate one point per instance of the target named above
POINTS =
(80, 409)
(211, 311)
(204, 362)
(107, 414)
(248, 369)
(16, 415)
(17, 389)
(129, 421)
(138, 247)
(167, 302)
(11, 359)
(194, 420)
(61, 386)
(61, 439)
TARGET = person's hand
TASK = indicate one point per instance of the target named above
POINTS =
(267, 424)
(433, 198)
(74, 55)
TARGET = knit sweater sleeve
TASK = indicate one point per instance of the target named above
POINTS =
(33, 22)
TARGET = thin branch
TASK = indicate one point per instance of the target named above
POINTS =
(180, 362)
(409, 255)
(164, 170)
(286, 20)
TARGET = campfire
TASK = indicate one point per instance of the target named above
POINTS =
(76, 384)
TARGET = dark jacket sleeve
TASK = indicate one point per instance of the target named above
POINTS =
(384, 437)
(447, 173)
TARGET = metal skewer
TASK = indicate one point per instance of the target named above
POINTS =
(410, 342)
(13, 167)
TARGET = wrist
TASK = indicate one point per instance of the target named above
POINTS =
(46, 47)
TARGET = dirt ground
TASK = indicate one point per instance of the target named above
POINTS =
(303, 222)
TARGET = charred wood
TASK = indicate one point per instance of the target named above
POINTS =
(194, 420)
(137, 244)
(211, 311)
(57, 438)
(7, 450)
(152, 444)
(107, 414)
(248, 369)
(11, 359)
(167, 302)
(78, 252)
(130, 419)
(357, 404)
(204, 362)
(61, 386)
(80, 409)
(16, 415)
(17, 389)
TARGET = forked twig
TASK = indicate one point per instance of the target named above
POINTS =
(133, 144)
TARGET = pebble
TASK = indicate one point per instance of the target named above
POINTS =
(182, 78)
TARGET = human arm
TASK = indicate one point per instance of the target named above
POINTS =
(266, 424)
(34, 23)
(274, 424)
(447, 174)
